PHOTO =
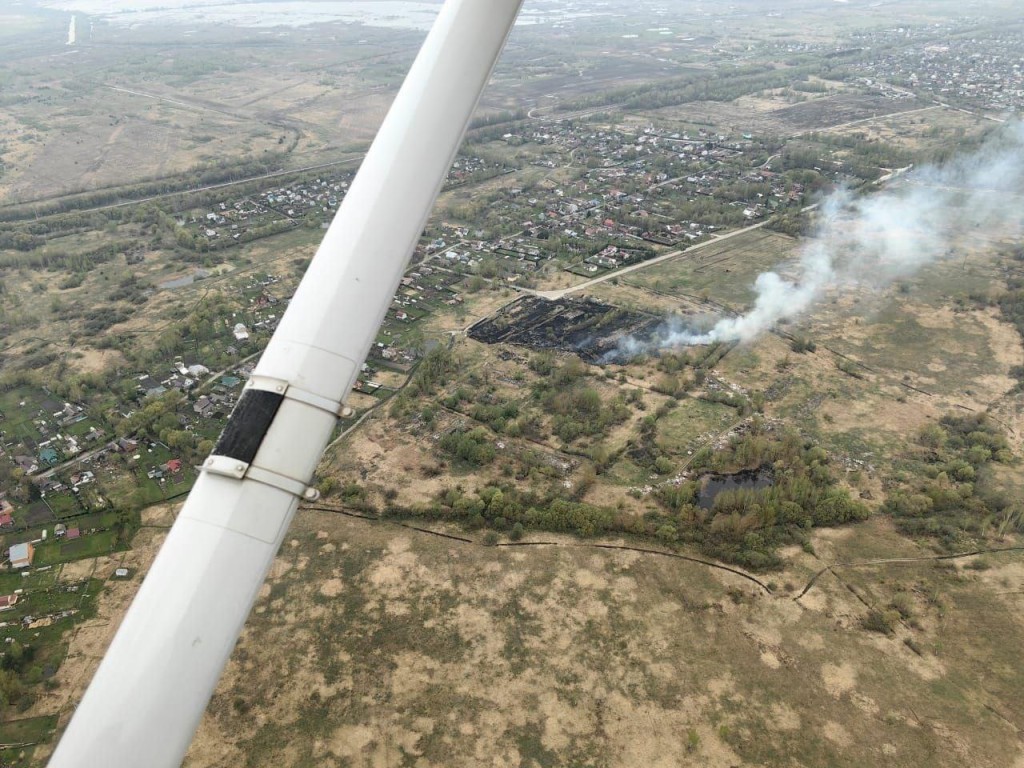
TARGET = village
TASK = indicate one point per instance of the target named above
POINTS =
(985, 74)
(622, 197)
(627, 190)
(312, 202)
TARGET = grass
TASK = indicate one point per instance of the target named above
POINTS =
(686, 427)
(27, 730)
(18, 419)
(32, 580)
(63, 504)
(722, 271)
(571, 656)
(46, 602)
(62, 550)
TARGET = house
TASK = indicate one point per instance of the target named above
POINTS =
(174, 465)
(127, 445)
(7, 602)
(21, 555)
(27, 464)
(48, 484)
(6, 520)
(241, 332)
(60, 530)
(82, 478)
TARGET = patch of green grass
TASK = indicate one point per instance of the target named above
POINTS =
(28, 731)
(63, 504)
(684, 427)
(704, 271)
(63, 550)
(531, 748)
(626, 472)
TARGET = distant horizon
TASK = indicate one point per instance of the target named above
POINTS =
(395, 14)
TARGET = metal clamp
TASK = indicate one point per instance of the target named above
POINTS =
(291, 392)
(225, 466)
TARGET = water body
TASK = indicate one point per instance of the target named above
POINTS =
(181, 282)
(712, 485)
(396, 14)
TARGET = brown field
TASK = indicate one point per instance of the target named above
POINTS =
(125, 106)
(430, 651)
(424, 651)
(721, 271)
(913, 124)
(927, 129)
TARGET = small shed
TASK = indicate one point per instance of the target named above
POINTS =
(74, 533)
(7, 602)
(22, 554)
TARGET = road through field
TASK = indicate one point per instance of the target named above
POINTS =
(555, 295)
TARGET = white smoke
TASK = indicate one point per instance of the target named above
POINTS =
(875, 239)
(71, 32)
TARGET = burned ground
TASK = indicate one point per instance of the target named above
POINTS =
(587, 327)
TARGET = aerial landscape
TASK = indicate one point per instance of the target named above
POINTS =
(693, 435)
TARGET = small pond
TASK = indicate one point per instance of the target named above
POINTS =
(712, 485)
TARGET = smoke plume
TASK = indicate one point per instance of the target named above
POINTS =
(871, 240)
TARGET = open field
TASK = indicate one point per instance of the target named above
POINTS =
(420, 649)
(125, 105)
(723, 272)
(555, 654)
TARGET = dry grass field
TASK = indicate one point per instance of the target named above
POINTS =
(414, 649)
(374, 645)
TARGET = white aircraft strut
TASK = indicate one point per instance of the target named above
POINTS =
(145, 702)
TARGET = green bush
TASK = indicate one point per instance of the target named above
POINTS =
(878, 621)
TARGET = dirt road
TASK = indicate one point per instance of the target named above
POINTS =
(555, 295)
